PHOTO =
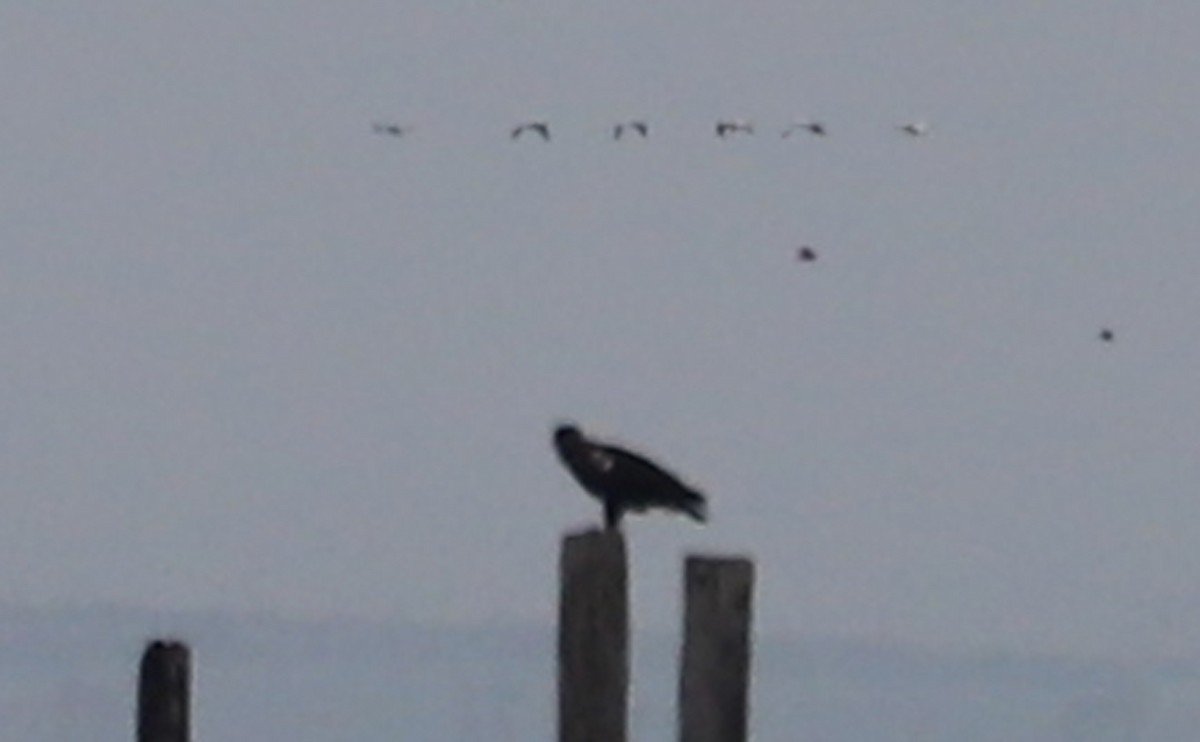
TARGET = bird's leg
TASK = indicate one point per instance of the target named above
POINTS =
(612, 515)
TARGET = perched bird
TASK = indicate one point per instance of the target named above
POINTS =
(391, 130)
(641, 127)
(1107, 335)
(735, 126)
(541, 127)
(806, 254)
(812, 127)
(915, 129)
(623, 480)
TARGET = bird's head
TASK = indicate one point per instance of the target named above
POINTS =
(567, 434)
(569, 441)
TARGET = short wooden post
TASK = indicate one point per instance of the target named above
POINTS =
(593, 638)
(715, 664)
(163, 693)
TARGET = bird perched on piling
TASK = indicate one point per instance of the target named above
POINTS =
(624, 480)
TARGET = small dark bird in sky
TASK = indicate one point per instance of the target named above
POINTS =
(812, 127)
(1107, 335)
(624, 480)
(806, 254)
(391, 130)
(915, 129)
(541, 127)
(735, 126)
(641, 127)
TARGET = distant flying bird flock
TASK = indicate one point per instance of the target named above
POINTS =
(726, 128)
(723, 128)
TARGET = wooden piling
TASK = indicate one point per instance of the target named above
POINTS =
(715, 664)
(593, 638)
(163, 693)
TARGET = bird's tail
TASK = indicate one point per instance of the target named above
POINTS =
(694, 504)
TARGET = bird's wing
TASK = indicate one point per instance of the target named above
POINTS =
(630, 470)
(602, 459)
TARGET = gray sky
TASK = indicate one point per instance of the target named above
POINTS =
(257, 357)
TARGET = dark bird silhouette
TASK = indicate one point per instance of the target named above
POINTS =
(915, 129)
(735, 126)
(541, 127)
(391, 130)
(1107, 335)
(641, 127)
(812, 127)
(806, 254)
(623, 480)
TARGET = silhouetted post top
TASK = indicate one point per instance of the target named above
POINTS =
(163, 692)
(593, 637)
(714, 680)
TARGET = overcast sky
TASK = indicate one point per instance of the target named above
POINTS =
(257, 357)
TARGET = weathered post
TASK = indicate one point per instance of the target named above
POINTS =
(163, 693)
(715, 665)
(593, 638)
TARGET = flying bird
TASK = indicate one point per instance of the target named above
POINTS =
(641, 127)
(624, 480)
(735, 126)
(812, 127)
(541, 127)
(806, 254)
(391, 130)
(915, 129)
(1107, 335)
